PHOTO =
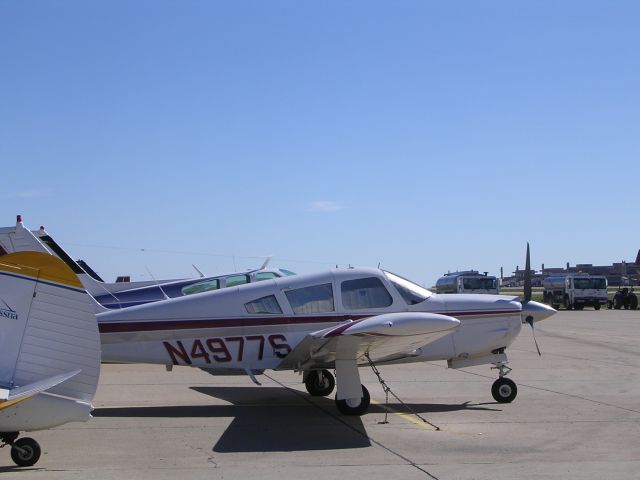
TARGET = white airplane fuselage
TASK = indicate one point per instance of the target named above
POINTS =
(215, 330)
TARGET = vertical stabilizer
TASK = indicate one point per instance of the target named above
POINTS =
(47, 326)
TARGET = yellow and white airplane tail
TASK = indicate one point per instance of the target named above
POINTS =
(49, 349)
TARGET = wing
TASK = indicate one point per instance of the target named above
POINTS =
(382, 337)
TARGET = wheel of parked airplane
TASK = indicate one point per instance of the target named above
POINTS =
(504, 390)
(320, 383)
(355, 407)
(28, 454)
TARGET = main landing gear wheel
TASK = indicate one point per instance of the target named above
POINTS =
(355, 407)
(320, 383)
(25, 452)
(504, 390)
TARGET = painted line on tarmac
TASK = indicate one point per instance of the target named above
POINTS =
(410, 417)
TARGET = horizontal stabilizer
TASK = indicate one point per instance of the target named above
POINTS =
(40, 386)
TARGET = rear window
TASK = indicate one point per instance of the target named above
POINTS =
(268, 304)
(315, 299)
(265, 276)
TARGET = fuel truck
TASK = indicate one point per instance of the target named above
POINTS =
(575, 291)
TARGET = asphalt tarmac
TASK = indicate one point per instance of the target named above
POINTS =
(577, 415)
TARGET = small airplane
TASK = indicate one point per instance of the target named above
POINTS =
(340, 319)
(49, 350)
(126, 294)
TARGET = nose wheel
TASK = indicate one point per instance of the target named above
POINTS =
(504, 390)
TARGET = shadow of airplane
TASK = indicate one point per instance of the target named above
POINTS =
(274, 419)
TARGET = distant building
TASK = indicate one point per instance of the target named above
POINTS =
(623, 273)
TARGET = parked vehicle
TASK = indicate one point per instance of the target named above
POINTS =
(575, 291)
(624, 298)
(467, 282)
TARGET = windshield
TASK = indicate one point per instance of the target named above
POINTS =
(589, 283)
(286, 273)
(411, 292)
(479, 283)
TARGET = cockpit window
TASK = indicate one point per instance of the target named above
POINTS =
(268, 304)
(587, 282)
(286, 273)
(411, 292)
(363, 293)
(315, 299)
(200, 287)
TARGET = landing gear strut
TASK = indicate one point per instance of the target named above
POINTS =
(319, 383)
(24, 452)
(504, 390)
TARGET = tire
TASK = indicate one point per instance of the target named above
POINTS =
(504, 390)
(346, 409)
(320, 383)
(597, 306)
(30, 454)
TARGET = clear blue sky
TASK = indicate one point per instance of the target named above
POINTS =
(425, 135)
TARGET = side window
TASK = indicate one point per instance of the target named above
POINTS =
(316, 299)
(267, 304)
(201, 287)
(364, 293)
(265, 276)
(234, 280)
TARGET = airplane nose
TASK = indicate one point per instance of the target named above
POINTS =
(536, 311)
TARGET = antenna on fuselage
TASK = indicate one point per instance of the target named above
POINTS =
(198, 270)
(266, 262)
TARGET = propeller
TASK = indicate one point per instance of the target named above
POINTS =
(527, 296)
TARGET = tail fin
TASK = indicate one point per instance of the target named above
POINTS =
(49, 329)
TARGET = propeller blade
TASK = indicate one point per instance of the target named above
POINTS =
(527, 277)
(533, 332)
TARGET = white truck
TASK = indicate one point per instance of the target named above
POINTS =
(467, 282)
(575, 291)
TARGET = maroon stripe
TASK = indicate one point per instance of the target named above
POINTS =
(155, 325)
(117, 327)
(337, 331)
